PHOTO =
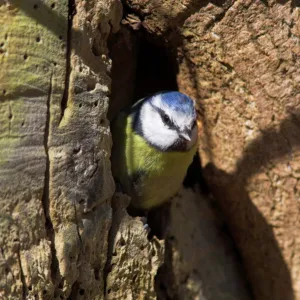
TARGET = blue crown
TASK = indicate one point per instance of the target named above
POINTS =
(178, 101)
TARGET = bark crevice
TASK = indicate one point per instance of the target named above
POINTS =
(64, 101)
(24, 285)
(110, 246)
(46, 192)
(77, 227)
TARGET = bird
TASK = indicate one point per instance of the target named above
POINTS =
(154, 142)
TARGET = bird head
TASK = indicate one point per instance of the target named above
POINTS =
(168, 121)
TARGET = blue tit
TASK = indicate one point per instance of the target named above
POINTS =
(154, 142)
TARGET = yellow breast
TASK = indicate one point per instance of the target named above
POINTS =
(162, 172)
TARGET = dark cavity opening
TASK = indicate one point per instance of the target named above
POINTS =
(195, 176)
(142, 65)
(156, 70)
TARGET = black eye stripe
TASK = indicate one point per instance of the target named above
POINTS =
(162, 114)
(166, 119)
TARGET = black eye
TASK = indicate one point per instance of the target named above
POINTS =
(166, 119)
(194, 124)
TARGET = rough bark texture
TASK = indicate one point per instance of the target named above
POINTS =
(61, 235)
(32, 75)
(200, 260)
(56, 237)
(133, 259)
(240, 61)
(246, 78)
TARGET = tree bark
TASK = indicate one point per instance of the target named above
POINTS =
(240, 62)
(65, 233)
(56, 182)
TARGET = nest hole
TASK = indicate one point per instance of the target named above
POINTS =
(151, 65)
(97, 274)
(157, 68)
(141, 66)
(81, 292)
(91, 85)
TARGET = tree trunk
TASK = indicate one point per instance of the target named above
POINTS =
(56, 182)
(65, 233)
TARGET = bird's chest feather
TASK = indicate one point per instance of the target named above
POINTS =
(156, 175)
(143, 157)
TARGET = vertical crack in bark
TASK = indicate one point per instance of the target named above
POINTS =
(9, 117)
(45, 198)
(110, 245)
(64, 101)
(24, 285)
(75, 285)
(77, 227)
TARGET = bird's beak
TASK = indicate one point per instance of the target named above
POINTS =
(186, 136)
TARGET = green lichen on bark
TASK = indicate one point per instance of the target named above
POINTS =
(32, 59)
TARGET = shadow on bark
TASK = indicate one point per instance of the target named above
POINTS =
(294, 3)
(230, 190)
(43, 14)
(264, 263)
(73, 39)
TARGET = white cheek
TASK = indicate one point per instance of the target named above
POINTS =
(165, 139)
(155, 131)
